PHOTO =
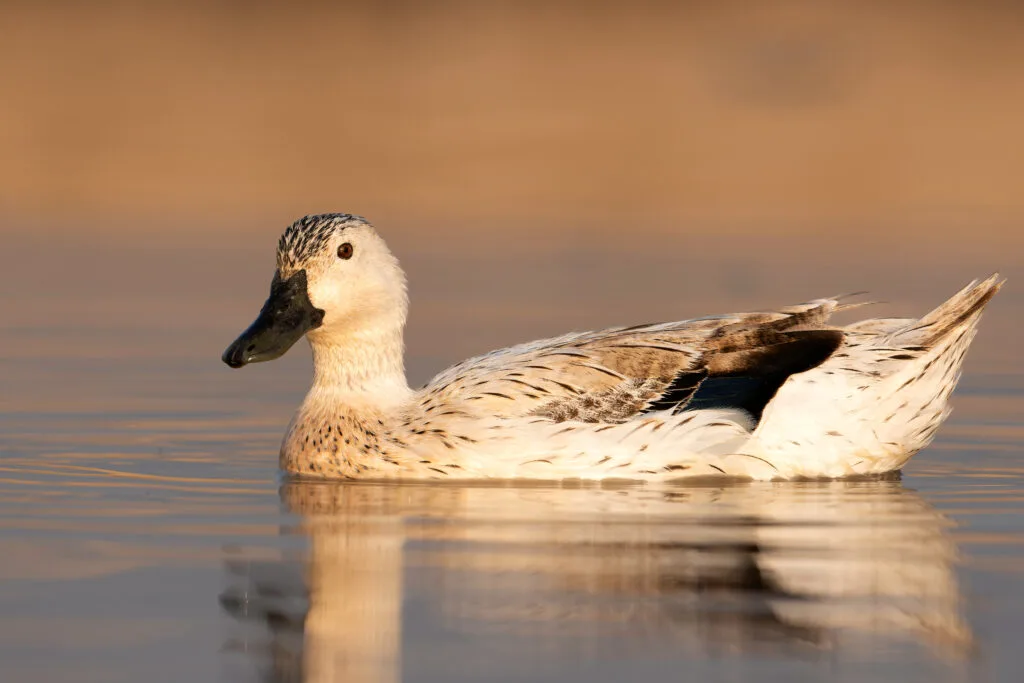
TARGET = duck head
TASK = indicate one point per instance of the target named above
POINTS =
(335, 280)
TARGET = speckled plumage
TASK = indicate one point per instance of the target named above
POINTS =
(778, 394)
(306, 238)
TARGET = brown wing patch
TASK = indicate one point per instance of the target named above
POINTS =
(611, 375)
(614, 405)
(763, 352)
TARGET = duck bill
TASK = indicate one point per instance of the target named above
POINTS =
(287, 315)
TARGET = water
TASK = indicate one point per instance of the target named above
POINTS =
(145, 533)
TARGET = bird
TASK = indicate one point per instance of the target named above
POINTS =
(773, 395)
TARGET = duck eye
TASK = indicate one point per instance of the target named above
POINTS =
(345, 251)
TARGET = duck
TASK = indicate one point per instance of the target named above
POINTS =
(772, 395)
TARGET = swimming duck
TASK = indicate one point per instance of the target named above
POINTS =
(770, 395)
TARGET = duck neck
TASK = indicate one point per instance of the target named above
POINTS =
(358, 387)
(360, 368)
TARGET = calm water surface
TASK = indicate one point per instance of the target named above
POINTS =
(145, 533)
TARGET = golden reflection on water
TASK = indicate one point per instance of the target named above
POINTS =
(740, 569)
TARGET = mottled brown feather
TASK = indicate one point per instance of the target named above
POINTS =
(612, 375)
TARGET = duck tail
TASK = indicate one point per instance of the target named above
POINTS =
(873, 405)
(961, 310)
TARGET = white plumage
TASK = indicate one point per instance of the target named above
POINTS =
(770, 395)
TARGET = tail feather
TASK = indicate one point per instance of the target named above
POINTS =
(870, 407)
(954, 312)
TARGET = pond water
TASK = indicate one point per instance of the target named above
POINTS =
(146, 534)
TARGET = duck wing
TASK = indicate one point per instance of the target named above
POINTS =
(611, 376)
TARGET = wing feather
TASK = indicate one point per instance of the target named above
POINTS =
(613, 375)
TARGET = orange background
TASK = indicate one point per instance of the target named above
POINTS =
(779, 117)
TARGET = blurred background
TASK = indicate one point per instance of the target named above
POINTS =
(793, 114)
(594, 162)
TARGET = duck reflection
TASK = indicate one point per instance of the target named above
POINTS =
(743, 568)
